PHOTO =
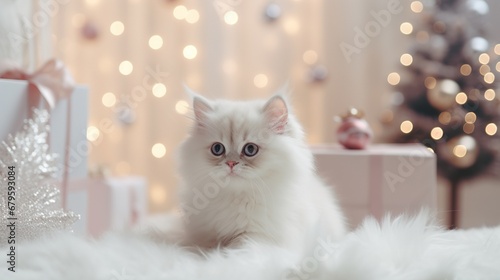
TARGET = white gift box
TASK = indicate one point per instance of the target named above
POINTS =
(115, 203)
(384, 178)
(14, 110)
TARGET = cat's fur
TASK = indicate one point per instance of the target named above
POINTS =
(274, 196)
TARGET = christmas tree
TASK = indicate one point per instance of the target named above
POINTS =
(445, 96)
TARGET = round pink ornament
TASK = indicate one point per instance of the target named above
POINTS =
(354, 132)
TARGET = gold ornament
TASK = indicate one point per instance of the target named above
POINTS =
(442, 95)
(461, 151)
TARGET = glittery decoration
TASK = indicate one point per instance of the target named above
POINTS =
(37, 198)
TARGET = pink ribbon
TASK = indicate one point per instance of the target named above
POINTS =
(52, 82)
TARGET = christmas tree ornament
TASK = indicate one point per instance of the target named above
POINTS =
(28, 171)
(317, 73)
(89, 30)
(125, 114)
(354, 131)
(442, 95)
(272, 12)
(461, 151)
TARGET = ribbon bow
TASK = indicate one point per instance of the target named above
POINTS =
(53, 82)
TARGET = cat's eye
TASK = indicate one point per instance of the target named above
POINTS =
(218, 149)
(250, 149)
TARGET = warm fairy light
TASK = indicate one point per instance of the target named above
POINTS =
(78, 20)
(190, 52)
(393, 78)
(406, 59)
(109, 99)
(159, 90)
(182, 107)
(444, 118)
(484, 69)
(126, 67)
(180, 12)
(406, 126)
(93, 133)
(461, 98)
(430, 82)
(155, 42)
(460, 151)
(310, 57)
(491, 129)
(260, 80)
(437, 133)
(417, 6)
(497, 66)
(465, 69)
(192, 16)
(489, 94)
(231, 17)
(497, 49)
(291, 25)
(431, 150)
(422, 36)
(158, 195)
(489, 78)
(484, 58)
(470, 117)
(406, 28)
(468, 128)
(117, 28)
(158, 150)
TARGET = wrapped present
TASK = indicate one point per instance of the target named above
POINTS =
(380, 179)
(107, 203)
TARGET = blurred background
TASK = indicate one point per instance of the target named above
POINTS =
(135, 55)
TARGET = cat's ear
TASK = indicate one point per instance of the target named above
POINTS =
(200, 105)
(276, 112)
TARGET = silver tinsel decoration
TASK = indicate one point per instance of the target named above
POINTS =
(37, 199)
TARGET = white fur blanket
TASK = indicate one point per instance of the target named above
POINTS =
(400, 248)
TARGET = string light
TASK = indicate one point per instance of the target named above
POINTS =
(180, 12)
(417, 7)
(437, 133)
(126, 67)
(470, 117)
(497, 49)
(484, 58)
(109, 99)
(497, 67)
(489, 94)
(461, 98)
(491, 129)
(406, 59)
(117, 28)
(158, 150)
(406, 126)
(260, 80)
(460, 151)
(430, 82)
(484, 69)
(182, 107)
(93, 133)
(468, 128)
(192, 16)
(465, 69)
(190, 52)
(406, 28)
(291, 25)
(159, 90)
(393, 78)
(444, 118)
(231, 17)
(310, 57)
(155, 42)
(489, 78)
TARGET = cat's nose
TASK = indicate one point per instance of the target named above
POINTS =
(231, 163)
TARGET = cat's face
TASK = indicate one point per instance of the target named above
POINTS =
(237, 143)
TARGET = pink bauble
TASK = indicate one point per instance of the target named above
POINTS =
(354, 133)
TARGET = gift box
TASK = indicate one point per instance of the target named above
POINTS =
(14, 109)
(384, 178)
(107, 203)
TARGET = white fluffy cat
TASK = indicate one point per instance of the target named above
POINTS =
(248, 174)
